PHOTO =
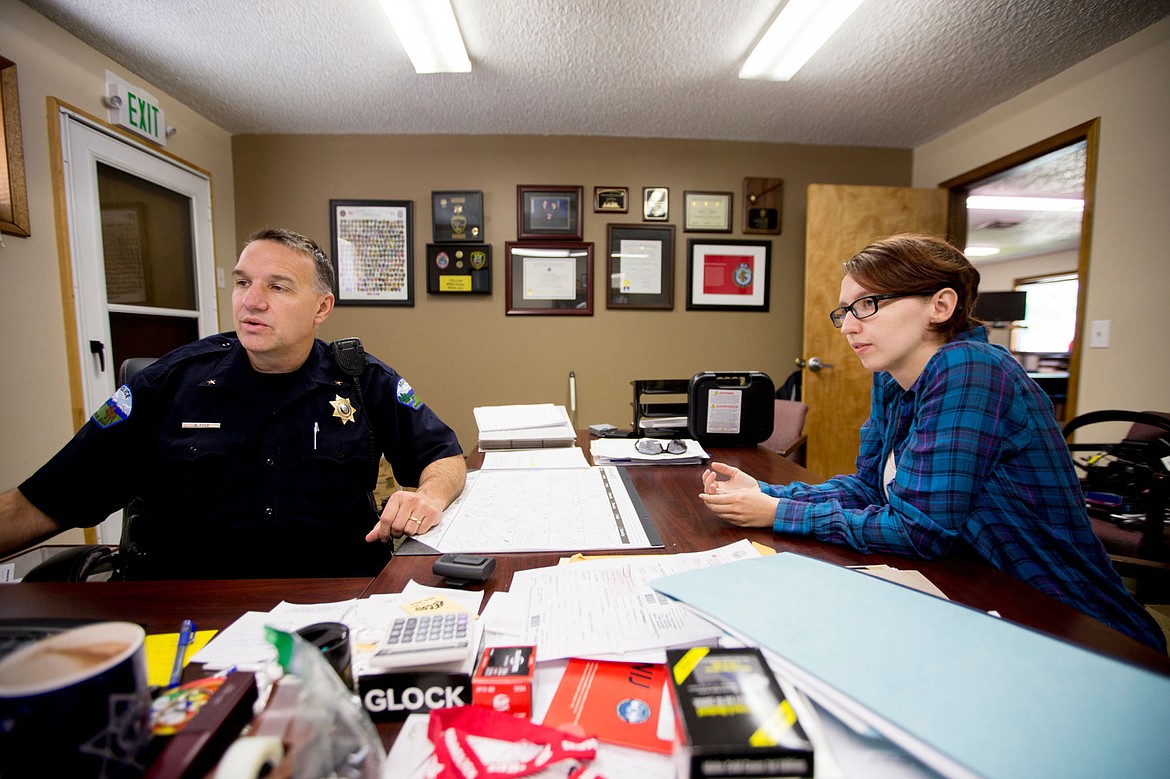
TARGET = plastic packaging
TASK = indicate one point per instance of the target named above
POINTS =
(336, 736)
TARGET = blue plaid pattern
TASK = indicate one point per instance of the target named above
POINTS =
(981, 467)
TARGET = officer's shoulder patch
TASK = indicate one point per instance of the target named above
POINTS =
(406, 396)
(116, 409)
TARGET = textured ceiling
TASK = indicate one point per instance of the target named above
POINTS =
(899, 73)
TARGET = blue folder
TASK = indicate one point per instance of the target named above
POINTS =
(965, 691)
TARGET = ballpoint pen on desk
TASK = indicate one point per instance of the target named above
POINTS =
(186, 636)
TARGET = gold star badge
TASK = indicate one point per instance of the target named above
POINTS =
(342, 409)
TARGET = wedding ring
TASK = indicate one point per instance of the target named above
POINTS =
(415, 519)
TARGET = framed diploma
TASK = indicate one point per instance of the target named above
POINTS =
(553, 278)
(707, 212)
(763, 201)
(548, 213)
(457, 217)
(464, 268)
(373, 253)
(655, 204)
(728, 275)
(640, 266)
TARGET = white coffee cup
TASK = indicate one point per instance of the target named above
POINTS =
(76, 704)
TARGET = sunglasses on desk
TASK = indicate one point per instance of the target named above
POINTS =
(656, 446)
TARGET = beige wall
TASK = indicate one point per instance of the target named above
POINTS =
(463, 351)
(35, 382)
(1129, 280)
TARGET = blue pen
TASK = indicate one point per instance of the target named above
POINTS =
(186, 635)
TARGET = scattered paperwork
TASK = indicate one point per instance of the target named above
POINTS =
(623, 451)
(562, 457)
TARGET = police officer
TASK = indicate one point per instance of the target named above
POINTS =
(255, 452)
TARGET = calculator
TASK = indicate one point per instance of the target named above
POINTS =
(426, 640)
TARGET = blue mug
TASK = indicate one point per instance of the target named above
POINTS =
(76, 704)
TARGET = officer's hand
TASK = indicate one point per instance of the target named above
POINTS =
(406, 514)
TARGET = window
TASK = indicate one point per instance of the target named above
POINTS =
(1051, 318)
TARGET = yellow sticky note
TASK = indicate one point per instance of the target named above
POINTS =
(160, 654)
(432, 604)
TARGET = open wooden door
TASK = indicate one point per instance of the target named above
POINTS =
(842, 220)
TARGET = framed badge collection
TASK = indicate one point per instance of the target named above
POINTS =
(549, 268)
(458, 260)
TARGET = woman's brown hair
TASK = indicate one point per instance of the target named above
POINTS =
(913, 262)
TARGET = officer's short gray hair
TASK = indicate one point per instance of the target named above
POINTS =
(302, 245)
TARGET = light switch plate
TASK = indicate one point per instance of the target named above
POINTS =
(1099, 333)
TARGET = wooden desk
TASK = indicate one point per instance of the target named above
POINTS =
(161, 607)
(671, 495)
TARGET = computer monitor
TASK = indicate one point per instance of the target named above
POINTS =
(1001, 306)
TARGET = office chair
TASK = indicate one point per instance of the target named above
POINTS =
(788, 438)
(1127, 485)
(83, 562)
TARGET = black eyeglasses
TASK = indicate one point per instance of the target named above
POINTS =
(655, 446)
(865, 307)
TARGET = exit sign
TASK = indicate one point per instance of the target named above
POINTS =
(135, 109)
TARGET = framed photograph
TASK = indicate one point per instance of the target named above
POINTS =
(640, 266)
(707, 212)
(655, 204)
(553, 278)
(464, 268)
(372, 242)
(728, 275)
(457, 217)
(13, 193)
(548, 213)
(612, 200)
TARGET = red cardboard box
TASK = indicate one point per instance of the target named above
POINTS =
(503, 679)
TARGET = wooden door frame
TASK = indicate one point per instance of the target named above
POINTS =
(958, 188)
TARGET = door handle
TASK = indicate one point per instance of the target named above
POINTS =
(814, 364)
(99, 348)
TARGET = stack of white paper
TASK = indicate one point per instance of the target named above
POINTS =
(623, 451)
(530, 426)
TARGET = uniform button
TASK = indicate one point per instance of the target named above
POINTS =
(270, 461)
(193, 449)
(268, 512)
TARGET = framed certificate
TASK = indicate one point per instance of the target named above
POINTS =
(707, 212)
(457, 217)
(373, 252)
(553, 278)
(728, 275)
(640, 266)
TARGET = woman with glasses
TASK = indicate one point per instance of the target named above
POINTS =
(961, 453)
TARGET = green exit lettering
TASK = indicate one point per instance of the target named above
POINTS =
(142, 114)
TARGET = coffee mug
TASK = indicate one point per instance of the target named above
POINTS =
(76, 704)
(332, 638)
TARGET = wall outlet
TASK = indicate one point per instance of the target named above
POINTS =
(220, 278)
(1099, 333)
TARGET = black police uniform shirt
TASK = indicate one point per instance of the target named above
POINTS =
(243, 474)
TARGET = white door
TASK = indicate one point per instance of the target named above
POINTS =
(143, 263)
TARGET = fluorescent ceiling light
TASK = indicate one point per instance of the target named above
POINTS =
(429, 33)
(998, 203)
(981, 251)
(800, 28)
